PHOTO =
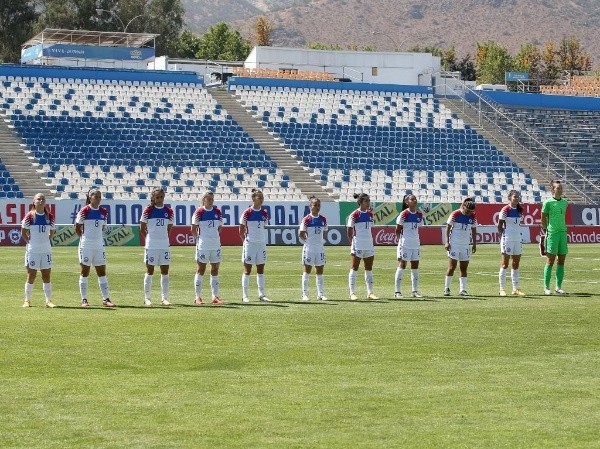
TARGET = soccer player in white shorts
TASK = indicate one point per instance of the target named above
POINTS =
(155, 226)
(37, 228)
(511, 246)
(311, 230)
(358, 227)
(461, 231)
(253, 232)
(409, 244)
(207, 223)
(90, 224)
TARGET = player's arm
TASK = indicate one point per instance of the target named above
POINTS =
(52, 232)
(243, 231)
(195, 228)
(143, 228)
(350, 233)
(169, 227)
(544, 222)
(79, 229)
(303, 234)
(399, 229)
(448, 230)
(474, 238)
(501, 226)
(25, 234)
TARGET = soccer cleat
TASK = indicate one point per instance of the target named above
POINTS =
(547, 292)
(372, 296)
(398, 295)
(560, 291)
(26, 304)
(305, 298)
(518, 292)
(147, 303)
(85, 303)
(107, 303)
(245, 299)
(264, 298)
(447, 292)
(164, 302)
(217, 300)
(502, 292)
(322, 298)
(463, 293)
(416, 294)
(50, 304)
(353, 297)
(198, 302)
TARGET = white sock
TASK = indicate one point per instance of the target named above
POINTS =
(198, 279)
(398, 279)
(260, 281)
(502, 278)
(245, 285)
(304, 283)
(28, 291)
(47, 287)
(462, 282)
(147, 286)
(103, 284)
(214, 286)
(448, 281)
(369, 281)
(164, 287)
(83, 287)
(514, 274)
(320, 285)
(414, 279)
(352, 281)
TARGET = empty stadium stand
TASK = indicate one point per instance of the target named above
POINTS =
(386, 143)
(130, 136)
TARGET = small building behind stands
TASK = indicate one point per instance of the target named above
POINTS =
(82, 48)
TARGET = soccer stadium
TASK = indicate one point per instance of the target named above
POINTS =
(97, 112)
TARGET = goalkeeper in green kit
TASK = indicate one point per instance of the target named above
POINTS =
(554, 226)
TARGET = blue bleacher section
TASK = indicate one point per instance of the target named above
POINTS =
(9, 189)
(131, 136)
(387, 143)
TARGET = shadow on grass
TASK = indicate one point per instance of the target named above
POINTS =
(315, 303)
(410, 299)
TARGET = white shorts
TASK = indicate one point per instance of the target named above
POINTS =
(157, 256)
(313, 258)
(408, 254)
(92, 256)
(511, 248)
(361, 253)
(38, 261)
(208, 255)
(254, 253)
(460, 253)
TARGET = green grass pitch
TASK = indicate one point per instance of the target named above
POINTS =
(482, 372)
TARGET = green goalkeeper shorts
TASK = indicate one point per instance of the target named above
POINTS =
(556, 243)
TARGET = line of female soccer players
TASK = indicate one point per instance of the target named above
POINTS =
(38, 227)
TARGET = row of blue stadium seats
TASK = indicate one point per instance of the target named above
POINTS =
(178, 161)
(196, 122)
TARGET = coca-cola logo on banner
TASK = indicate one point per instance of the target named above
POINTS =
(385, 236)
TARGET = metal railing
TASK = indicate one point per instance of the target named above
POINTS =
(563, 169)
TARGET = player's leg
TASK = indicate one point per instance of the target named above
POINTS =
(368, 261)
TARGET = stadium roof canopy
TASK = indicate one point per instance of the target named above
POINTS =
(84, 37)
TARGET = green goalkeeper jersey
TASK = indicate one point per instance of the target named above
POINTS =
(556, 210)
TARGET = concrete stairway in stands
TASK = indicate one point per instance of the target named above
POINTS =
(14, 156)
(301, 175)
